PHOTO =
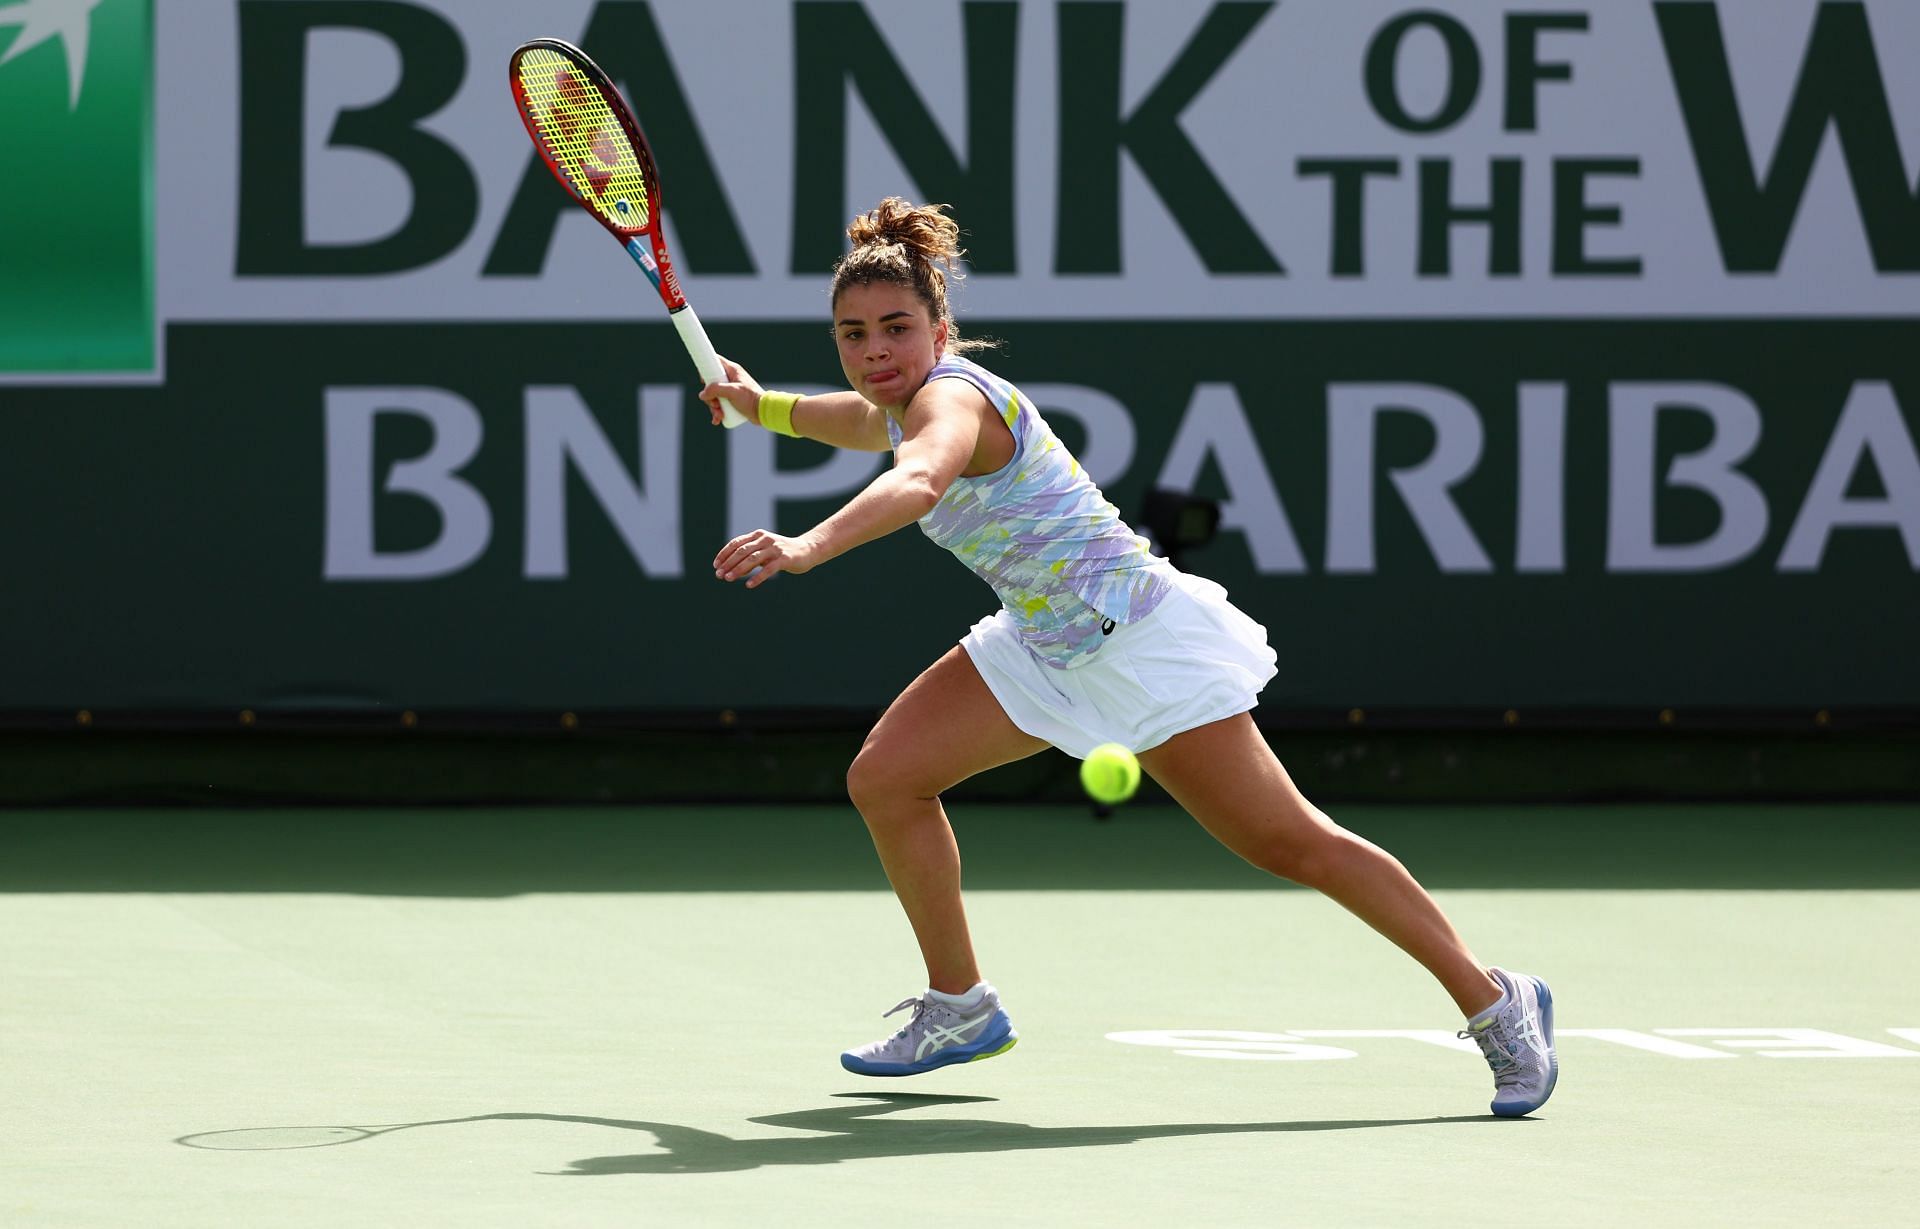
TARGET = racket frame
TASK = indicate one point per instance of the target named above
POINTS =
(652, 256)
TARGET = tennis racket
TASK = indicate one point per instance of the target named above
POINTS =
(586, 133)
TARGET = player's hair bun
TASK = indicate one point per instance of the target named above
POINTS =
(924, 230)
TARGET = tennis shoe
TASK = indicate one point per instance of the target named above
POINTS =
(1517, 1041)
(936, 1035)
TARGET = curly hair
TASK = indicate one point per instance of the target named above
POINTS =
(915, 246)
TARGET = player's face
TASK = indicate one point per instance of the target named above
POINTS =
(888, 344)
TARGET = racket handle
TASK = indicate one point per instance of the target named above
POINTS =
(705, 358)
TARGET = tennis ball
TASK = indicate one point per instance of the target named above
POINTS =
(1110, 774)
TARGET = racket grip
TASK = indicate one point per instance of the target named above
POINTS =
(706, 359)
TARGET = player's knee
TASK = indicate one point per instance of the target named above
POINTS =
(872, 782)
(1305, 857)
(1285, 861)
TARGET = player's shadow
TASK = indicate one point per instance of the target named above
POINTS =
(838, 1133)
(858, 1132)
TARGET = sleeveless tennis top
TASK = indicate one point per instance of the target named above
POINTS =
(1058, 556)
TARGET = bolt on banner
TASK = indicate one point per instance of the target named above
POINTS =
(76, 190)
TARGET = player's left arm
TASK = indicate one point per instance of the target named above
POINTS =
(938, 435)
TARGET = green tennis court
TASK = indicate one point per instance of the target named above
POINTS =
(632, 1016)
(402, 824)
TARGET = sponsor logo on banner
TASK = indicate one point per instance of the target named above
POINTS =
(76, 201)
(1147, 159)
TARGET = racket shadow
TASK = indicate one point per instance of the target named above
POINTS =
(836, 1134)
(291, 1138)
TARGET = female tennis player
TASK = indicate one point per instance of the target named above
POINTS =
(1096, 640)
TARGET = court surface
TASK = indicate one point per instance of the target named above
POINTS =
(632, 1016)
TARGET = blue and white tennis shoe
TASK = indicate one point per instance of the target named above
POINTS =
(1517, 1040)
(937, 1035)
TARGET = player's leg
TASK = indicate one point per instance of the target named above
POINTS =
(1226, 777)
(945, 727)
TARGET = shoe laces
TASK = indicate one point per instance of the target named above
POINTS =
(919, 1006)
(1500, 1046)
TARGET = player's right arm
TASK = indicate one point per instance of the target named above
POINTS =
(844, 420)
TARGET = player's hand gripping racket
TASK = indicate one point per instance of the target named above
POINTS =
(591, 142)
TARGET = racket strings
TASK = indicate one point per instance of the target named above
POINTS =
(583, 137)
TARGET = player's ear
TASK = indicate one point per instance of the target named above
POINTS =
(940, 337)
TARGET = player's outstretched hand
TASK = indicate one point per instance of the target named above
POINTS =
(759, 556)
(739, 389)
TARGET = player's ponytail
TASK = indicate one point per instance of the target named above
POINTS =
(915, 246)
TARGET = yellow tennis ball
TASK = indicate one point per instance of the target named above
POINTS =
(1110, 774)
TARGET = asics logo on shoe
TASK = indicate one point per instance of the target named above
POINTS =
(1529, 1032)
(939, 1038)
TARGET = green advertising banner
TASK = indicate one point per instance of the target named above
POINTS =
(1480, 515)
(76, 188)
(1537, 356)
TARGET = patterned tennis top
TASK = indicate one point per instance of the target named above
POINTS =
(1055, 551)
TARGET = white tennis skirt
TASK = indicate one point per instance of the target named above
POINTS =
(1195, 659)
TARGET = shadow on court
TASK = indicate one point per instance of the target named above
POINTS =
(506, 852)
(840, 1133)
